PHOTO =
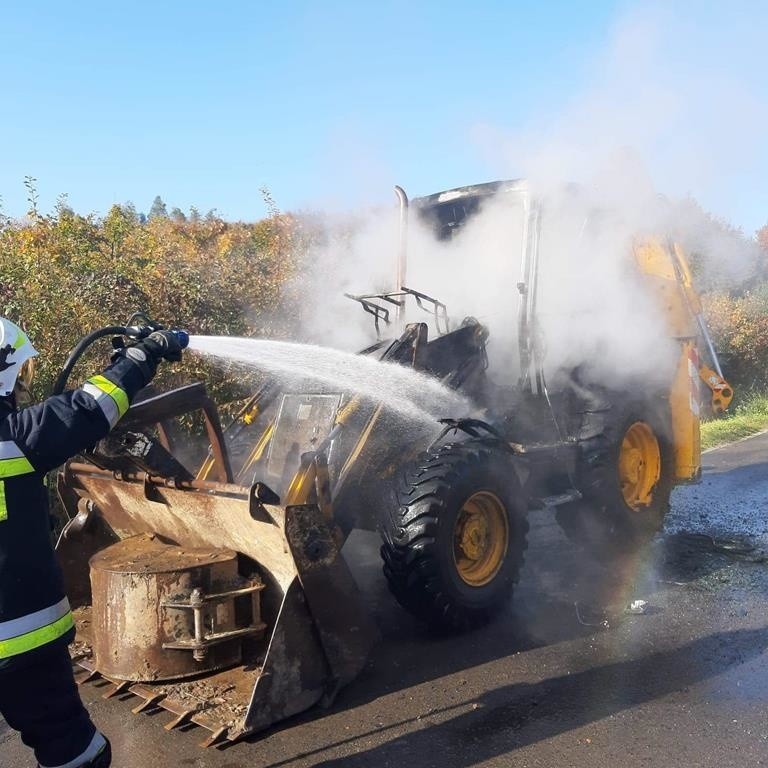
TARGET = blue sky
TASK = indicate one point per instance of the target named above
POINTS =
(330, 103)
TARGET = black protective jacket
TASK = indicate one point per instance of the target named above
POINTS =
(33, 607)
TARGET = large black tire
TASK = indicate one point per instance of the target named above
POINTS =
(602, 521)
(440, 498)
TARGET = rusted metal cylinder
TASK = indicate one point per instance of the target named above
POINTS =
(148, 595)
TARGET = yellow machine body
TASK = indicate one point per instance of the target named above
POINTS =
(665, 269)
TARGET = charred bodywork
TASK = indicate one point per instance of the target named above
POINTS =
(219, 593)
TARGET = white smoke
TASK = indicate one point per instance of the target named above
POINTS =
(674, 103)
(664, 112)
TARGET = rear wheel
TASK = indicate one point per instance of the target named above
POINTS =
(625, 475)
(639, 465)
(454, 546)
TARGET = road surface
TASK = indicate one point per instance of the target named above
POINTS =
(564, 678)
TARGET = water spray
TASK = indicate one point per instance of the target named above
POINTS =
(400, 389)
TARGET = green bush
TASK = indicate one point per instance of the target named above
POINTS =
(739, 325)
(63, 275)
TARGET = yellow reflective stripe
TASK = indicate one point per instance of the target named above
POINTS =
(117, 394)
(3, 507)
(14, 467)
(21, 340)
(37, 637)
(32, 621)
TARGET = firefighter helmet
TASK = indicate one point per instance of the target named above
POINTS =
(15, 352)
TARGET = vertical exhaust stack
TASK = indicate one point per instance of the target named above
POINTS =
(402, 249)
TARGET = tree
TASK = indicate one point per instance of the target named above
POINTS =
(762, 238)
(62, 207)
(158, 209)
(178, 215)
(30, 182)
(117, 224)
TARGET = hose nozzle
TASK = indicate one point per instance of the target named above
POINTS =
(182, 336)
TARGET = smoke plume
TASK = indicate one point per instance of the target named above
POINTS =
(663, 119)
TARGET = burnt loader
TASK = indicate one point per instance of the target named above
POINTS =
(219, 593)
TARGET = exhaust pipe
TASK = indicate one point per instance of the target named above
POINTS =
(402, 247)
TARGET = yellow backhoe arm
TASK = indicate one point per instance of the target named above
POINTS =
(721, 390)
(668, 275)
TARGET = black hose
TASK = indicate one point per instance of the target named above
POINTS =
(77, 352)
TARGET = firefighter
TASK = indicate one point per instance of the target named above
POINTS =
(38, 694)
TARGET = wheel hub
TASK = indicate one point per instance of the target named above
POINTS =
(481, 538)
(474, 538)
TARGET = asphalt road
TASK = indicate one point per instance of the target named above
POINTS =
(565, 678)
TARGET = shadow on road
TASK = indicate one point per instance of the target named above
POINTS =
(556, 578)
(519, 715)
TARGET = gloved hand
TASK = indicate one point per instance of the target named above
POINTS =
(164, 345)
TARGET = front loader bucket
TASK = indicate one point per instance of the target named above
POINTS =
(309, 635)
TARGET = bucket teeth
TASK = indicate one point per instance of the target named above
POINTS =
(148, 703)
(181, 719)
(216, 737)
(119, 688)
(150, 699)
(91, 674)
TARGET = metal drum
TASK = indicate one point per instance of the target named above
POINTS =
(162, 612)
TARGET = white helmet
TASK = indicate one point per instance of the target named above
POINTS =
(15, 350)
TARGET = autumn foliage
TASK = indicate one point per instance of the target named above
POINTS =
(738, 319)
(739, 324)
(63, 275)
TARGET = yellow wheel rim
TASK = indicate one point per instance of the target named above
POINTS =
(639, 465)
(480, 538)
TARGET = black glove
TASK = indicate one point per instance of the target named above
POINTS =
(147, 353)
(162, 345)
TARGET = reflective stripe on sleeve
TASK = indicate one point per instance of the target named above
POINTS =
(13, 463)
(36, 629)
(9, 450)
(112, 400)
(12, 460)
(21, 340)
